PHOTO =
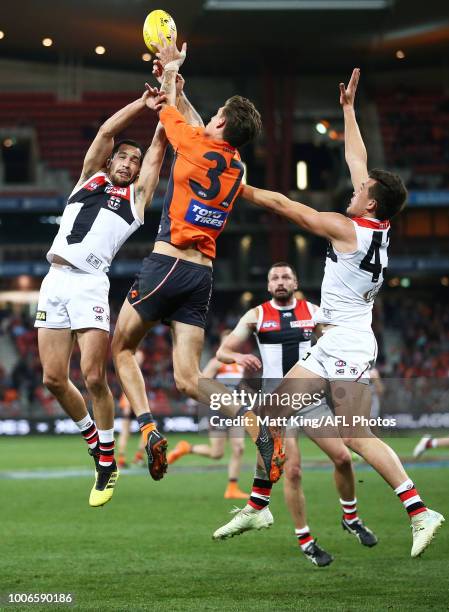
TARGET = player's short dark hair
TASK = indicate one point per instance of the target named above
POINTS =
(389, 192)
(132, 143)
(283, 264)
(243, 121)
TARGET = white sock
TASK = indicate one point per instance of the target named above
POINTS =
(85, 423)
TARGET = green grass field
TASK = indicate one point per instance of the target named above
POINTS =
(150, 548)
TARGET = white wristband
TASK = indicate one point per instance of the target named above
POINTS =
(173, 65)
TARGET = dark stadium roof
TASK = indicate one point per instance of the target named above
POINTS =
(234, 40)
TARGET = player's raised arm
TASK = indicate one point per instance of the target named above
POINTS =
(333, 226)
(149, 172)
(355, 151)
(183, 104)
(228, 349)
(171, 59)
(103, 143)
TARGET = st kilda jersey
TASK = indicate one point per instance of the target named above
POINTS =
(96, 221)
(352, 280)
(284, 335)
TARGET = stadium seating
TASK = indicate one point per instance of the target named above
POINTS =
(65, 129)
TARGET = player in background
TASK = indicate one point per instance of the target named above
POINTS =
(106, 206)
(283, 328)
(342, 357)
(427, 442)
(174, 284)
(125, 431)
(230, 374)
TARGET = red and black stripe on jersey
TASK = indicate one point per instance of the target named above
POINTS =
(99, 193)
(287, 327)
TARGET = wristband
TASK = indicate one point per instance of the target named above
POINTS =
(173, 65)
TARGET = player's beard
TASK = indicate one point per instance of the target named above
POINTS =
(284, 298)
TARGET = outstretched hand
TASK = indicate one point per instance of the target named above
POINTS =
(347, 94)
(153, 97)
(169, 52)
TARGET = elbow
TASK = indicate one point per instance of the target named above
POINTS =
(105, 131)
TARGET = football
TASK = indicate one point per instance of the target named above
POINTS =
(159, 25)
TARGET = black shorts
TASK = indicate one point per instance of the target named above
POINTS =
(170, 289)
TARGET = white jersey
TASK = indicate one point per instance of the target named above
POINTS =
(352, 280)
(96, 221)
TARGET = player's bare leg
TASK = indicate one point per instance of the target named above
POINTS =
(124, 437)
(188, 341)
(354, 399)
(237, 444)
(344, 477)
(94, 344)
(296, 504)
(55, 350)
(129, 332)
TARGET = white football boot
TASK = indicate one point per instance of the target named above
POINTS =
(424, 527)
(244, 520)
(420, 448)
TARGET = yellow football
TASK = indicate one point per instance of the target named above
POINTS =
(158, 25)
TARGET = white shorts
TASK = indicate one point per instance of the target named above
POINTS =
(342, 354)
(71, 298)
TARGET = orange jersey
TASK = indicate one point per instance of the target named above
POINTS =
(230, 370)
(205, 179)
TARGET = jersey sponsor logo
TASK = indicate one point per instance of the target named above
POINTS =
(99, 318)
(353, 371)
(307, 333)
(204, 216)
(116, 191)
(98, 309)
(41, 315)
(340, 363)
(269, 325)
(327, 313)
(302, 323)
(287, 314)
(340, 371)
(114, 203)
(93, 261)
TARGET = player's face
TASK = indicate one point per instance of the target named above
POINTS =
(216, 122)
(125, 165)
(282, 284)
(361, 202)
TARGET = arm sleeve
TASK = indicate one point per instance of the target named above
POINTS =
(176, 127)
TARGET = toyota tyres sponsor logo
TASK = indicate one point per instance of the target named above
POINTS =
(205, 216)
(98, 309)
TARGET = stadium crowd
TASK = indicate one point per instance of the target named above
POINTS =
(419, 351)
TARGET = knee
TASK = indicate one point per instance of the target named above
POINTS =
(216, 454)
(237, 450)
(342, 460)
(293, 474)
(96, 383)
(55, 383)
